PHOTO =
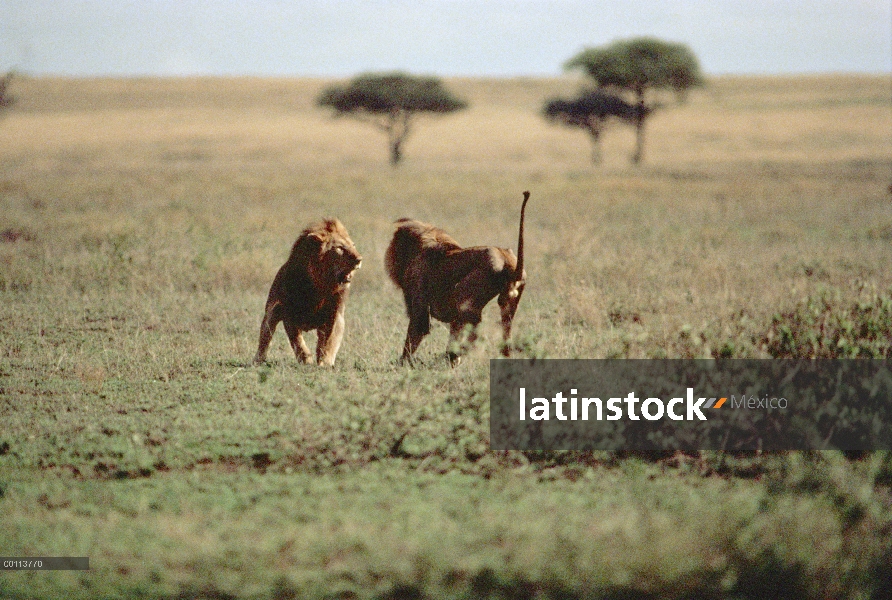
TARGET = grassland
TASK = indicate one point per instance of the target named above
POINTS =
(145, 220)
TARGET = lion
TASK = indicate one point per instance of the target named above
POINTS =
(310, 292)
(440, 279)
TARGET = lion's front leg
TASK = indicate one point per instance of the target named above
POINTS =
(301, 351)
(329, 341)
(419, 327)
(267, 327)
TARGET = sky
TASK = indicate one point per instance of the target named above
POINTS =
(437, 37)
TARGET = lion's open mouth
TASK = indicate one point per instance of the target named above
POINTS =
(347, 273)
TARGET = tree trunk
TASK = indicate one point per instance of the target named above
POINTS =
(594, 124)
(397, 131)
(639, 129)
(396, 152)
(595, 136)
(639, 141)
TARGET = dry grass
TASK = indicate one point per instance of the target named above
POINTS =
(753, 192)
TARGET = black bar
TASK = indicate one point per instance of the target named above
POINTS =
(44, 563)
(736, 406)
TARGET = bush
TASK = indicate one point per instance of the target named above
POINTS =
(826, 326)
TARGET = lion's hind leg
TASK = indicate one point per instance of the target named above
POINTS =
(329, 341)
(462, 335)
(467, 300)
(419, 327)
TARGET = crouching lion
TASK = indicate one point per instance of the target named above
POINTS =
(441, 279)
(310, 292)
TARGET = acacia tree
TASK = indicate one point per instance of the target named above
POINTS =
(5, 99)
(390, 101)
(590, 111)
(638, 66)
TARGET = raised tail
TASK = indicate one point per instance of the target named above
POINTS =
(518, 273)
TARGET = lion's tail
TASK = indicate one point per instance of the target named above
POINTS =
(519, 267)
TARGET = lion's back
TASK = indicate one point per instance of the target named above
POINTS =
(410, 240)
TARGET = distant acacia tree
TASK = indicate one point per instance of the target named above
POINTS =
(6, 100)
(637, 66)
(590, 111)
(390, 101)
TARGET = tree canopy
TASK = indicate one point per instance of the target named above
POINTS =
(640, 64)
(389, 100)
(587, 106)
(589, 111)
(385, 93)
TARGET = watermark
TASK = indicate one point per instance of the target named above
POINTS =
(664, 405)
(652, 409)
(44, 563)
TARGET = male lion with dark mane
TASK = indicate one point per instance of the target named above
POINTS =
(310, 292)
(440, 279)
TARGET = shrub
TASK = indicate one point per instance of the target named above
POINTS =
(827, 326)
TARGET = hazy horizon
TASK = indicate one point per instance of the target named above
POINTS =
(499, 38)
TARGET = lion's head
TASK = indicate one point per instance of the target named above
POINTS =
(332, 256)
